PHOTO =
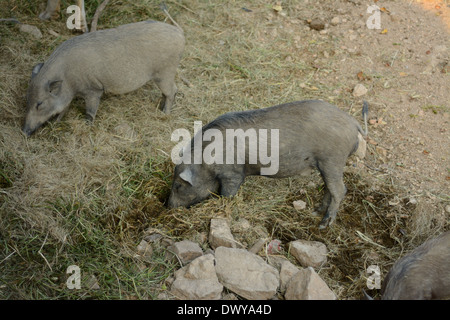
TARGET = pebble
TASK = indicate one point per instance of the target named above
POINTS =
(299, 205)
(317, 24)
(335, 21)
(33, 30)
(359, 90)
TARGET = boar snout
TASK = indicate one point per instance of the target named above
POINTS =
(171, 203)
(27, 130)
(191, 185)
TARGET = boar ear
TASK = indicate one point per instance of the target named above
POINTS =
(36, 70)
(54, 87)
(186, 175)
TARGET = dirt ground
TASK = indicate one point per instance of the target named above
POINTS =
(404, 66)
(87, 195)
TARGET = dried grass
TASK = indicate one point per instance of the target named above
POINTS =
(85, 194)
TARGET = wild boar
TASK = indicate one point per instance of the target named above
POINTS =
(311, 134)
(52, 9)
(423, 274)
(116, 61)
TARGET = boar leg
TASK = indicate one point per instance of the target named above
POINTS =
(167, 85)
(52, 10)
(332, 175)
(61, 115)
(325, 203)
(92, 103)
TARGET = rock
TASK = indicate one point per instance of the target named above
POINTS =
(287, 271)
(359, 90)
(197, 280)
(307, 285)
(33, 30)
(317, 24)
(186, 250)
(92, 283)
(447, 208)
(151, 236)
(144, 249)
(362, 147)
(241, 226)
(257, 246)
(125, 132)
(335, 21)
(220, 234)
(166, 242)
(309, 253)
(299, 205)
(246, 274)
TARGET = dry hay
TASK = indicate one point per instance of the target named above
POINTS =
(374, 225)
(75, 193)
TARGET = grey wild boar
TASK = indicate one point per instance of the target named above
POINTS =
(423, 274)
(116, 61)
(52, 9)
(311, 134)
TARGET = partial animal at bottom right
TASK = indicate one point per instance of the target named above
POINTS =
(423, 274)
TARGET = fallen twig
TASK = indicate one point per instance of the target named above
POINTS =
(97, 15)
(10, 20)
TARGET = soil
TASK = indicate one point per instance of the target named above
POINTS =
(405, 67)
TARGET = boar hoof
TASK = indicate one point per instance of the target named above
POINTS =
(164, 106)
(326, 221)
(44, 15)
(89, 119)
(316, 213)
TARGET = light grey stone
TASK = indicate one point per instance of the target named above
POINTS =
(246, 274)
(197, 280)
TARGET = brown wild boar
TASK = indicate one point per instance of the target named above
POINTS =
(423, 274)
(311, 134)
(116, 61)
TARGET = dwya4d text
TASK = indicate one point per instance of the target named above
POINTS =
(240, 309)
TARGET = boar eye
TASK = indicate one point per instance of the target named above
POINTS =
(38, 104)
(179, 185)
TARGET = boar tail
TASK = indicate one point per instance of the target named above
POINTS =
(164, 9)
(365, 113)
